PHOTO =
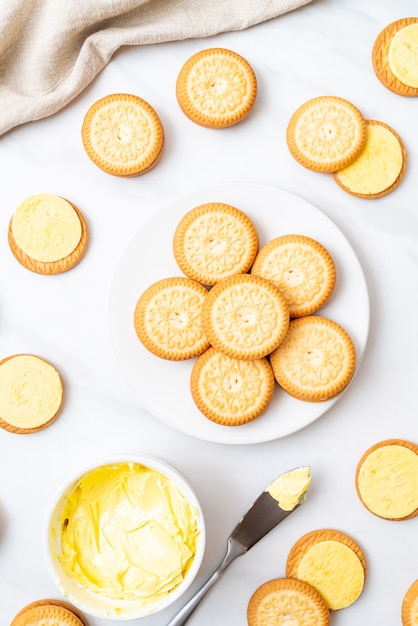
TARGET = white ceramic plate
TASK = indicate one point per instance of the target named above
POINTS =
(162, 387)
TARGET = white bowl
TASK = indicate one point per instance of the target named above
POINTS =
(95, 603)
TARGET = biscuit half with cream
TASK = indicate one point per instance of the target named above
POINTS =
(213, 241)
(47, 234)
(332, 562)
(287, 601)
(380, 166)
(49, 613)
(167, 318)
(387, 479)
(31, 393)
(301, 267)
(394, 56)
(231, 391)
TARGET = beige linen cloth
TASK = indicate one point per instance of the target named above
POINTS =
(50, 50)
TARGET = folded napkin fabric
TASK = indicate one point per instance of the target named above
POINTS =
(50, 50)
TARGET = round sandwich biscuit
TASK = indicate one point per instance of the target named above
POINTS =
(395, 56)
(216, 88)
(316, 360)
(387, 479)
(245, 316)
(230, 391)
(380, 166)
(214, 241)
(287, 601)
(31, 393)
(326, 133)
(302, 269)
(409, 611)
(123, 135)
(167, 318)
(47, 234)
(49, 613)
(331, 562)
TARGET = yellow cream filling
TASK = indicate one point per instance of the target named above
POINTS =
(378, 165)
(403, 55)
(335, 571)
(128, 533)
(290, 488)
(388, 481)
(46, 227)
(30, 391)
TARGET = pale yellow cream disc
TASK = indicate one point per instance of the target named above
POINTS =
(388, 481)
(378, 165)
(403, 55)
(30, 391)
(46, 227)
(334, 570)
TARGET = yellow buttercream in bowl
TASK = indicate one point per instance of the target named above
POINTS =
(126, 538)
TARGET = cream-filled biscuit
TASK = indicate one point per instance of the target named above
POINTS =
(216, 88)
(123, 135)
(316, 359)
(245, 316)
(326, 133)
(301, 267)
(167, 318)
(231, 391)
(213, 241)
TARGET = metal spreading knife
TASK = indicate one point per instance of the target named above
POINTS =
(280, 498)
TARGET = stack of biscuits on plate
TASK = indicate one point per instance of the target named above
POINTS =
(247, 314)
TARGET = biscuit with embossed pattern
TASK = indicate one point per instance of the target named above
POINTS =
(123, 135)
(326, 133)
(301, 267)
(214, 241)
(245, 316)
(316, 359)
(287, 601)
(331, 562)
(167, 318)
(230, 391)
(216, 88)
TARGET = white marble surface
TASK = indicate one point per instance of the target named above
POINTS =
(322, 48)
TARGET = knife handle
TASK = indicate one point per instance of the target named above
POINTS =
(234, 549)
